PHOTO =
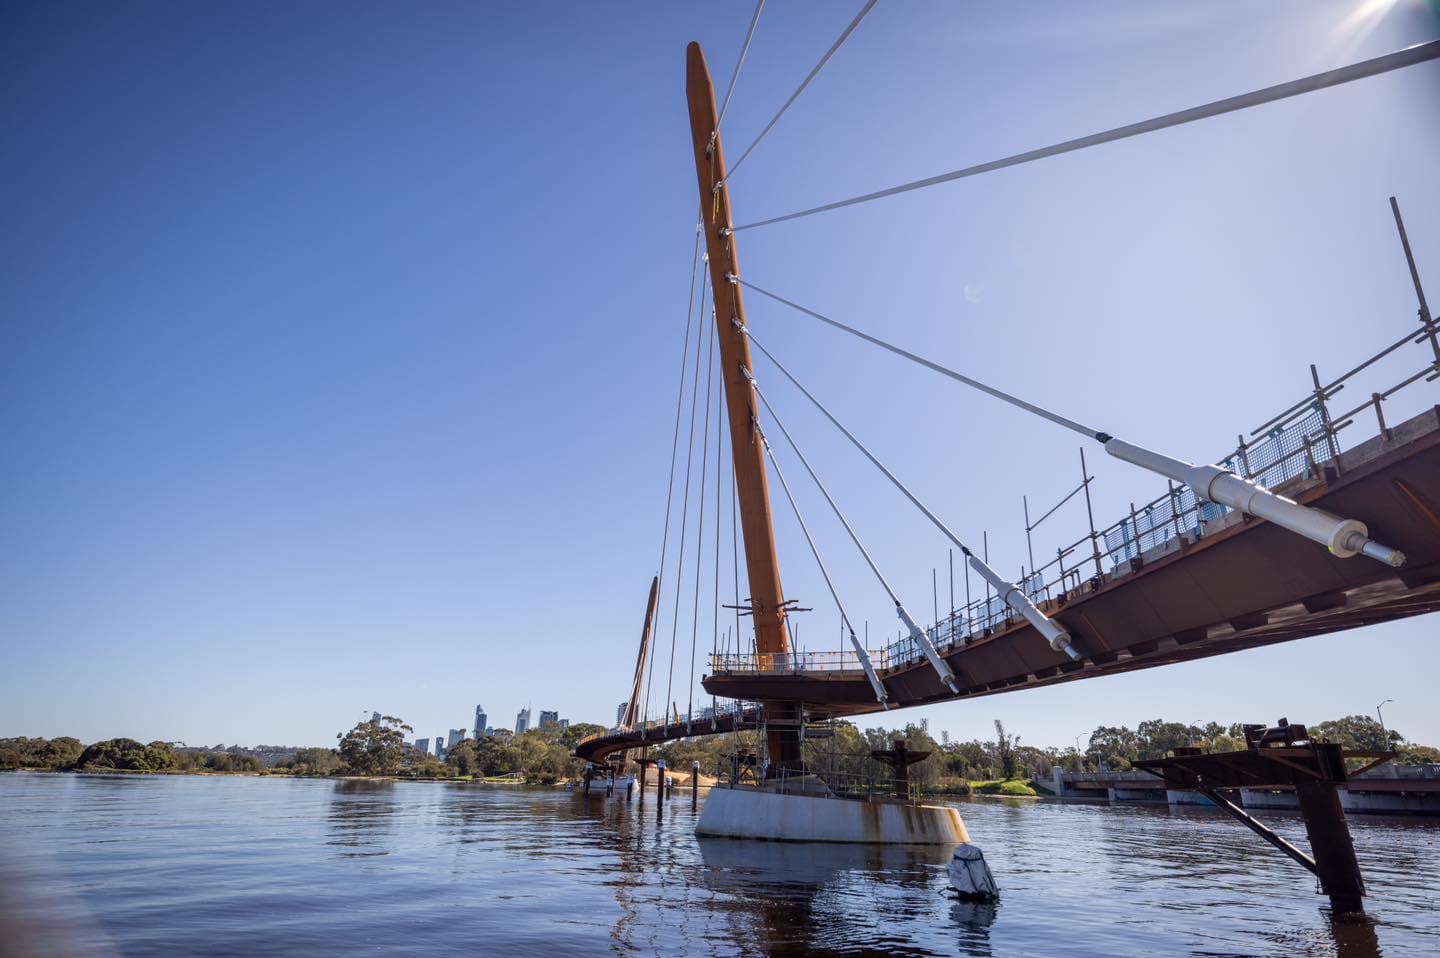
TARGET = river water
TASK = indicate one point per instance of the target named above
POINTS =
(180, 865)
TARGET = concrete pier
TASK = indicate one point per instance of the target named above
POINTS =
(756, 813)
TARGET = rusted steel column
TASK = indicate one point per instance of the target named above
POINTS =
(902, 770)
(694, 785)
(751, 485)
(642, 763)
(1330, 841)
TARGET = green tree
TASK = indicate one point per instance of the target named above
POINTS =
(464, 758)
(54, 753)
(376, 747)
(314, 761)
(1114, 747)
(1359, 732)
(1418, 755)
(1005, 751)
(128, 755)
(1158, 737)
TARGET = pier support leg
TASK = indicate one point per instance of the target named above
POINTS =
(1330, 842)
(694, 785)
(642, 781)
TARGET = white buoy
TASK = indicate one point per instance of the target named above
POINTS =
(970, 876)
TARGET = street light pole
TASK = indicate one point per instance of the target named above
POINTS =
(1384, 735)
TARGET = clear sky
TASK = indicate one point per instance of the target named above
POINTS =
(339, 342)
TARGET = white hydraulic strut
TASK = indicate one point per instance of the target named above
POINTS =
(1015, 598)
(881, 696)
(1343, 537)
(922, 639)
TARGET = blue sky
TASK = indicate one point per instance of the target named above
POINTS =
(339, 343)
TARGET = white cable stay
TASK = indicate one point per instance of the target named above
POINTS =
(1409, 56)
(1343, 537)
(1012, 595)
(881, 695)
(668, 702)
(674, 447)
(734, 77)
(845, 35)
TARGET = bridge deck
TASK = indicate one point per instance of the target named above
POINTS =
(1244, 583)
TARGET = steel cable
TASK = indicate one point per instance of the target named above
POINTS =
(1409, 56)
(674, 447)
(799, 90)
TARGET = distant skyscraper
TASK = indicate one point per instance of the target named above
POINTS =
(422, 745)
(439, 746)
(480, 719)
(457, 735)
(620, 711)
(489, 731)
(522, 721)
(564, 723)
(549, 718)
(374, 716)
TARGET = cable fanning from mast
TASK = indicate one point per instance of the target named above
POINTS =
(725, 104)
(719, 476)
(675, 444)
(799, 90)
(700, 527)
(814, 550)
(1019, 403)
(815, 477)
(934, 519)
(684, 511)
(1409, 56)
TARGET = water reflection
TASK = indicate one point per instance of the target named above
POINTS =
(822, 898)
(360, 815)
(972, 924)
(1354, 936)
(326, 867)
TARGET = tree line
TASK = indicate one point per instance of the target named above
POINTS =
(840, 753)
(843, 753)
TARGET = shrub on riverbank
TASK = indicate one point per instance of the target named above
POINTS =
(1014, 788)
(950, 785)
(127, 755)
(49, 754)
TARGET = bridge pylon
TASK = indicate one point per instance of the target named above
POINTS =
(767, 602)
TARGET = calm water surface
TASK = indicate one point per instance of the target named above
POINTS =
(141, 865)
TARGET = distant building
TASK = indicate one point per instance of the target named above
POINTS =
(490, 731)
(440, 746)
(522, 721)
(564, 723)
(549, 718)
(422, 745)
(480, 719)
(374, 716)
(457, 735)
(620, 711)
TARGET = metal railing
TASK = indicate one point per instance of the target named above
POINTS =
(793, 662)
(739, 711)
